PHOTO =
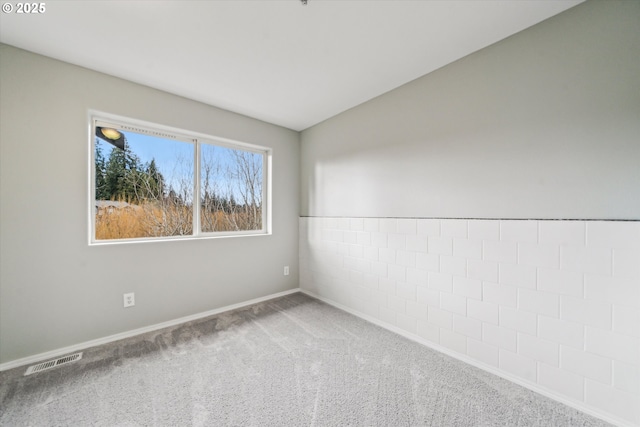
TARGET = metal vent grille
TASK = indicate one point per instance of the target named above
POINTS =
(53, 363)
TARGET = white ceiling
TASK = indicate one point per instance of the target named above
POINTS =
(278, 61)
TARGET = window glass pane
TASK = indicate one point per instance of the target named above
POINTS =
(143, 185)
(230, 189)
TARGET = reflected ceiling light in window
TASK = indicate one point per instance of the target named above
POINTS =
(112, 136)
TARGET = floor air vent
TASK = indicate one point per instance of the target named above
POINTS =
(53, 363)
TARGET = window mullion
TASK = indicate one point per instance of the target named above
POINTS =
(151, 201)
(196, 190)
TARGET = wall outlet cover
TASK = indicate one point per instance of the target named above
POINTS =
(129, 299)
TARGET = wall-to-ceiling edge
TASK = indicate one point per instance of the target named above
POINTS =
(542, 125)
(492, 208)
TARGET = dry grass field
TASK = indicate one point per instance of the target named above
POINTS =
(131, 221)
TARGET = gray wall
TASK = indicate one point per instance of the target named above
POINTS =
(55, 290)
(545, 124)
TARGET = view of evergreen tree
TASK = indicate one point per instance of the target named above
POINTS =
(158, 190)
(101, 190)
(123, 177)
(155, 181)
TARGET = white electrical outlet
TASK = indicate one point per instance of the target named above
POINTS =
(286, 270)
(129, 300)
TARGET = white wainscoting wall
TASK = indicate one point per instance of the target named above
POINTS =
(551, 304)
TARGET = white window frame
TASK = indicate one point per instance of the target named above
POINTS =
(198, 139)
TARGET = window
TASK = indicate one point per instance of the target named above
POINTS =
(150, 182)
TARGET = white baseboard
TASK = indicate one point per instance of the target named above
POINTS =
(71, 349)
(580, 406)
(111, 338)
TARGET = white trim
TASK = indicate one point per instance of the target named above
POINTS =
(265, 186)
(580, 406)
(111, 338)
(181, 134)
(531, 386)
(197, 139)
